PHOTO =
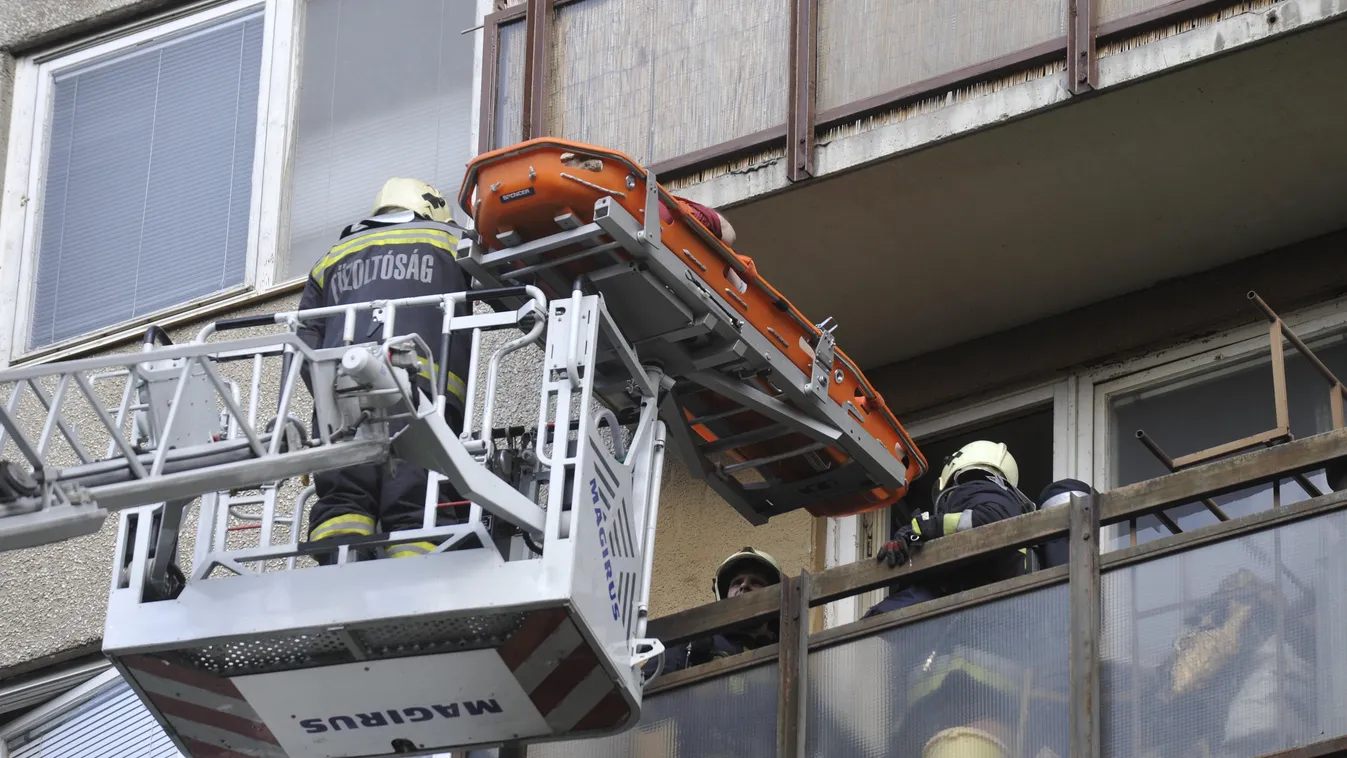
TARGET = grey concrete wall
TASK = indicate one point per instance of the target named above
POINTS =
(25, 24)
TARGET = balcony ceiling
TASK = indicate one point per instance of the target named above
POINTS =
(1170, 176)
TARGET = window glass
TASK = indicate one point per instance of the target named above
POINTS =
(1212, 408)
(148, 179)
(385, 90)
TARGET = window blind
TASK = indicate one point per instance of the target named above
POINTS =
(148, 179)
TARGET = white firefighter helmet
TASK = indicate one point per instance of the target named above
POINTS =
(964, 742)
(746, 559)
(992, 457)
(413, 195)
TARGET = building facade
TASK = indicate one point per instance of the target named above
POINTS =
(1035, 222)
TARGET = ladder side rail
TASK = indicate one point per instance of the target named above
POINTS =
(131, 361)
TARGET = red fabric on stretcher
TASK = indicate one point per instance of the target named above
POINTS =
(709, 218)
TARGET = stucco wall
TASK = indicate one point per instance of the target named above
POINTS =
(26, 23)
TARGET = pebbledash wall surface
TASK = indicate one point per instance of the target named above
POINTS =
(52, 598)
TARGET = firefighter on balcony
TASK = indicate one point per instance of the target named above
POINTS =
(962, 689)
(747, 570)
(976, 487)
(405, 249)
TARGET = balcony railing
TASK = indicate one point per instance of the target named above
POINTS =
(1228, 641)
(686, 85)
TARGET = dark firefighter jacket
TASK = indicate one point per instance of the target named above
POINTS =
(388, 257)
(707, 649)
(968, 506)
(962, 507)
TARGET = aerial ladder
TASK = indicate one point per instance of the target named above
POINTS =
(527, 622)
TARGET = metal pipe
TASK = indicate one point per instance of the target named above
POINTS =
(470, 395)
(573, 348)
(1295, 340)
(619, 445)
(493, 371)
(648, 555)
(1168, 463)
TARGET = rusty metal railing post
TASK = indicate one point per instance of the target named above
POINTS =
(793, 649)
(1082, 67)
(800, 114)
(537, 64)
(1086, 612)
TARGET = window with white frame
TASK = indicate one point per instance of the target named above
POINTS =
(141, 177)
(1200, 403)
(190, 160)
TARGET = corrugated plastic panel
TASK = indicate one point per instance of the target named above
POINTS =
(1231, 650)
(509, 126)
(1001, 667)
(734, 715)
(869, 47)
(1112, 10)
(687, 75)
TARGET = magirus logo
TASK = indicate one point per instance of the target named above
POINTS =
(396, 716)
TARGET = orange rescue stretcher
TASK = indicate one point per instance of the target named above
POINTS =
(553, 212)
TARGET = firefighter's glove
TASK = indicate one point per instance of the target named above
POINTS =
(898, 550)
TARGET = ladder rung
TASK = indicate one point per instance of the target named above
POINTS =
(697, 420)
(761, 434)
(733, 467)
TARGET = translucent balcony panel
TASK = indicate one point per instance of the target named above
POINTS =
(1001, 668)
(1234, 649)
(870, 47)
(733, 715)
(687, 76)
(1112, 10)
(509, 126)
